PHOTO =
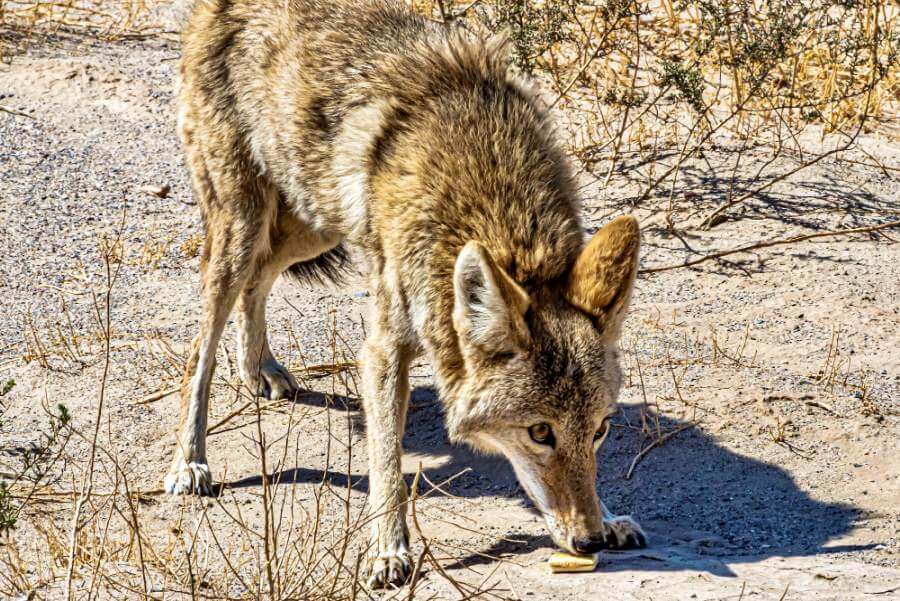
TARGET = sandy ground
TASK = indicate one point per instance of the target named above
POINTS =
(786, 484)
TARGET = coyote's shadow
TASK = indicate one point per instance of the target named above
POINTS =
(700, 502)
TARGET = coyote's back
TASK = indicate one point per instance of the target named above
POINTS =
(282, 77)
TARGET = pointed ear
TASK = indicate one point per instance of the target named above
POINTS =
(601, 280)
(489, 306)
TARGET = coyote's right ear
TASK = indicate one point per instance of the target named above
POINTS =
(489, 306)
(601, 280)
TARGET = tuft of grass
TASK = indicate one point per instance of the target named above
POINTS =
(190, 247)
(34, 468)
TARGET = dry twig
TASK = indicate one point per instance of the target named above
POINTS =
(770, 243)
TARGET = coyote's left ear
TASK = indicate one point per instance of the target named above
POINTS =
(601, 280)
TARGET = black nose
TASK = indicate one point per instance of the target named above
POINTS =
(590, 544)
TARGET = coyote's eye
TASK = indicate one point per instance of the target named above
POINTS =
(542, 433)
(601, 433)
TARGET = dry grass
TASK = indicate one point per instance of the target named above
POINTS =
(190, 248)
(646, 88)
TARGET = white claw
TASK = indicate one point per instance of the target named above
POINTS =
(391, 569)
(271, 380)
(191, 478)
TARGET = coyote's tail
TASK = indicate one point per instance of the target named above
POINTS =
(332, 266)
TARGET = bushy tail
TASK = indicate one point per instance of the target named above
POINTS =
(332, 266)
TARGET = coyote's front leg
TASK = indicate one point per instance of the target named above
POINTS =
(385, 375)
(622, 531)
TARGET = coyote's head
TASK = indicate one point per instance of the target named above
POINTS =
(542, 374)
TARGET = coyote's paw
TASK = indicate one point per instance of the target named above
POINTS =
(624, 533)
(189, 478)
(391, 569)
(272, 381)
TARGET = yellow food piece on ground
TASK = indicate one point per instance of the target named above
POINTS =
(565, 562)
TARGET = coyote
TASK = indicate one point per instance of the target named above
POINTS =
(316, 128)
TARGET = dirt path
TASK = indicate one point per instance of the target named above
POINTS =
(783, 368)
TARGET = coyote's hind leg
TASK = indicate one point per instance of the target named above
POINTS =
(292, 242)
(223, 278)
(236, 235)
(261, 373)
